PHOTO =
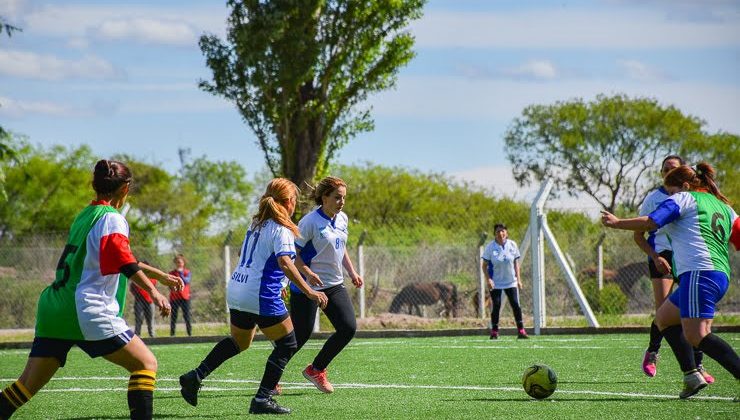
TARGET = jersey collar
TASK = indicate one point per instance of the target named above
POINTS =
(100, 203)
(322, 214)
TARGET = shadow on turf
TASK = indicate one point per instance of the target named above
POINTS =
(157, 415)
(527, 399)
(247, 394)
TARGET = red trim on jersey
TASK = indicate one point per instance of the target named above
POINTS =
(735, 235)
(114, 253)
(100, 203)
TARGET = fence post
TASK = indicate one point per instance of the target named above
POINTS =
(538, 257)
(600, 261)
(361, 266)
(481, 277)
(227, 270)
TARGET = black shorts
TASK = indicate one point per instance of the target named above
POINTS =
(248, 320)
(59, 347)
(654, 273)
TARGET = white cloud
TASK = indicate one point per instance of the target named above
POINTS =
(533, 69)
(17, 109)
(459, 98)
(154, 31)
(571, 28)
(78, 43)
(47, 67)
(11, 8)
(640, 71)
(161, 24)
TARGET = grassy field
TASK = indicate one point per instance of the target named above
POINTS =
(431, 378)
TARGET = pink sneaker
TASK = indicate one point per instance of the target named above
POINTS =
(707, 377)
(318, 378)
(649, 363)
(494, 334)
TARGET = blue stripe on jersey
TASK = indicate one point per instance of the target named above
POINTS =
(322, 214)
(490, 269)
(270, 302)
(651, 239)
(307, 254)
(666, 212)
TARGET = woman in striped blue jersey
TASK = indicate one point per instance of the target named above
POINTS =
(253, 296)
(700, 224)
(322, 252)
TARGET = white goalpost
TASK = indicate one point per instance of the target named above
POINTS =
(537, 234)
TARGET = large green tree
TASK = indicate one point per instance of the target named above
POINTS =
(722, 150)
(299, 72)
(6, 152)
(609, 148)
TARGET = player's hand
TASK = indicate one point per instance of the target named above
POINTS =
(663, 266)
(313, 279)
(162, 303)
(519, 284)
(608, 219)
(284, 293)
(174, 282)
(320, 298)
(357, 280)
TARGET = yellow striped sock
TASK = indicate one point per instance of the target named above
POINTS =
(16, 394)
(142, 380)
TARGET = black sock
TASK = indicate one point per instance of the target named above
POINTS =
(141, 394)
(655, 338)
(223, 351)
(284, 349)
(12, 398)
(723, 353)
(698, 356)
(681, 348)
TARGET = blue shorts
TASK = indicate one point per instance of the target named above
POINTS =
(698, 293)
(59, 347)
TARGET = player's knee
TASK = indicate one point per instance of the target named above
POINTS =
(287, 346)
(694, 337)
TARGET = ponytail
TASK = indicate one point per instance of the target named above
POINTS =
(705, 173)
(272, 204)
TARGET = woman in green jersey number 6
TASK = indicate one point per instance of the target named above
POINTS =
(83, 306)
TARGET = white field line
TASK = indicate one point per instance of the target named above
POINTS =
(295, 385)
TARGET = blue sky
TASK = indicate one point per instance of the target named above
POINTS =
(121, 76)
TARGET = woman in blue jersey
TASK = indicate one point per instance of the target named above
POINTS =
(500, 262)
(322, 252)
(253, 296)
(658, 248)
(83, 306)
(699, 221)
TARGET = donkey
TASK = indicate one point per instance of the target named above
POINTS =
(414, 295)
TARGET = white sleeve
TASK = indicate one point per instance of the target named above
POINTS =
(306, 228)
(283, 242)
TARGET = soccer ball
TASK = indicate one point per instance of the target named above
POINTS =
(539, 381)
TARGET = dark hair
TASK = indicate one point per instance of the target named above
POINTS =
(698, 177)
(672, 157)
(499, 226)
(325, 187)
(109, 175)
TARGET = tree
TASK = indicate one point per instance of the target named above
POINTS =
(609, 148)
(224, 189)
(6, 152)
(722, 150)
(298, 71)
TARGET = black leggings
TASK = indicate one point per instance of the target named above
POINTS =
(185, 305)
(512, 293)
(341, 314)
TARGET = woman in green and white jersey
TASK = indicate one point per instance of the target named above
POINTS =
(84, 304)
(699, 223)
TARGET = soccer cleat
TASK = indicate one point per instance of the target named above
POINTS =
(692, 383)
(522, 334)
(278, 390)
(649, 363)
(494, 334)
(189, 386)
(318, 378)
(707, 377)
(267, 406)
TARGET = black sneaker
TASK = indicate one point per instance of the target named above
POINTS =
(189, 386)
(267, 406)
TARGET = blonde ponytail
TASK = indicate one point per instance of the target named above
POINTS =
(273, 202)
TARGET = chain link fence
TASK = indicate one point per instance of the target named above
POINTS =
(418, 274)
